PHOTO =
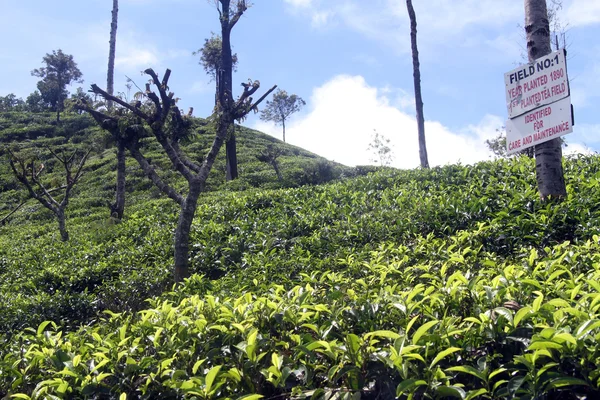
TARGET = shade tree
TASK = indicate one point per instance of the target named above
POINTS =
(159, 117)
(227, 109)
(60, 70)
(270, 156)
(29, 173)
(281, 107)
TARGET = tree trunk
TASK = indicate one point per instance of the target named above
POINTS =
(60, 102)
(119, 206)
(283, 123)
(226, 89)
(275, 165)
(231, 163)
(548, 155)
(182, 232)
(60, 215)
(111, 53)
(417, 83)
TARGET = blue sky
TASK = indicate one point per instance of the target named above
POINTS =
(349, 59)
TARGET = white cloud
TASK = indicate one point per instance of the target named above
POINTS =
(321, 18)
(134, 53)
(583, 12)
(399, 98)
(136, 58)
(586, 133)
(387, 20)
(576, 148)
(345, 111)
(300, 3)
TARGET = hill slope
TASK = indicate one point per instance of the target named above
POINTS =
(31, 135)
(454, 282)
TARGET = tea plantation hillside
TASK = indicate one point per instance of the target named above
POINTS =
(32, 134)
(453, 282)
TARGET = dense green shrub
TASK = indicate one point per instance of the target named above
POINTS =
(453, 282)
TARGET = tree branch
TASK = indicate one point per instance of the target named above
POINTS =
(162, 90)
(210, 158)
(12, 212)
(104, 120)
(242, 113)
(154, 98)
(22, 177)
(165, 80)
(117, 100)
(186, 161)
(151, 173)
(241, 8)
(3, 220)
(71, 181)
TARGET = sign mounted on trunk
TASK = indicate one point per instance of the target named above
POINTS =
(539, 126)
(536, 84)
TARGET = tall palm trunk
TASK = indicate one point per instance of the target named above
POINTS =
(548, 155)
(111, 52)
(417, 82)
(118, 207)
(226, 91)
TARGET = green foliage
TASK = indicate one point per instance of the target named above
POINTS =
(60, 70)
(281, 107)
(453, 282)
(10, 102)
(35, 103)
(210, 56)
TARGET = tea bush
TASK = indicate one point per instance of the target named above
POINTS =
(453, 282)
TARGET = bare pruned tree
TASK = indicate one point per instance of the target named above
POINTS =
(270, 156)
(228, 110)
(28, 173)
(161, 117)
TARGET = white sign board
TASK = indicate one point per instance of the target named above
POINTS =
(538, 126)
(534, 85)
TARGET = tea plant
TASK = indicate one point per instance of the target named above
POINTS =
(454, 282)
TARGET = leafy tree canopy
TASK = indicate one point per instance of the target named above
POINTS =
(10, 102)
(281, 107)
(60, 70)
(210, 56)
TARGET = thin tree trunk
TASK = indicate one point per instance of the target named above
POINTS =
(111, 52)
(283, 123)
(277, 171)
(417, 83)
(60, 101)
(119, 206)
(231, 156)
(60, 215)
(182, 232)
(188, 210)
(153, 176)
(548, 155)
(226, 90)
